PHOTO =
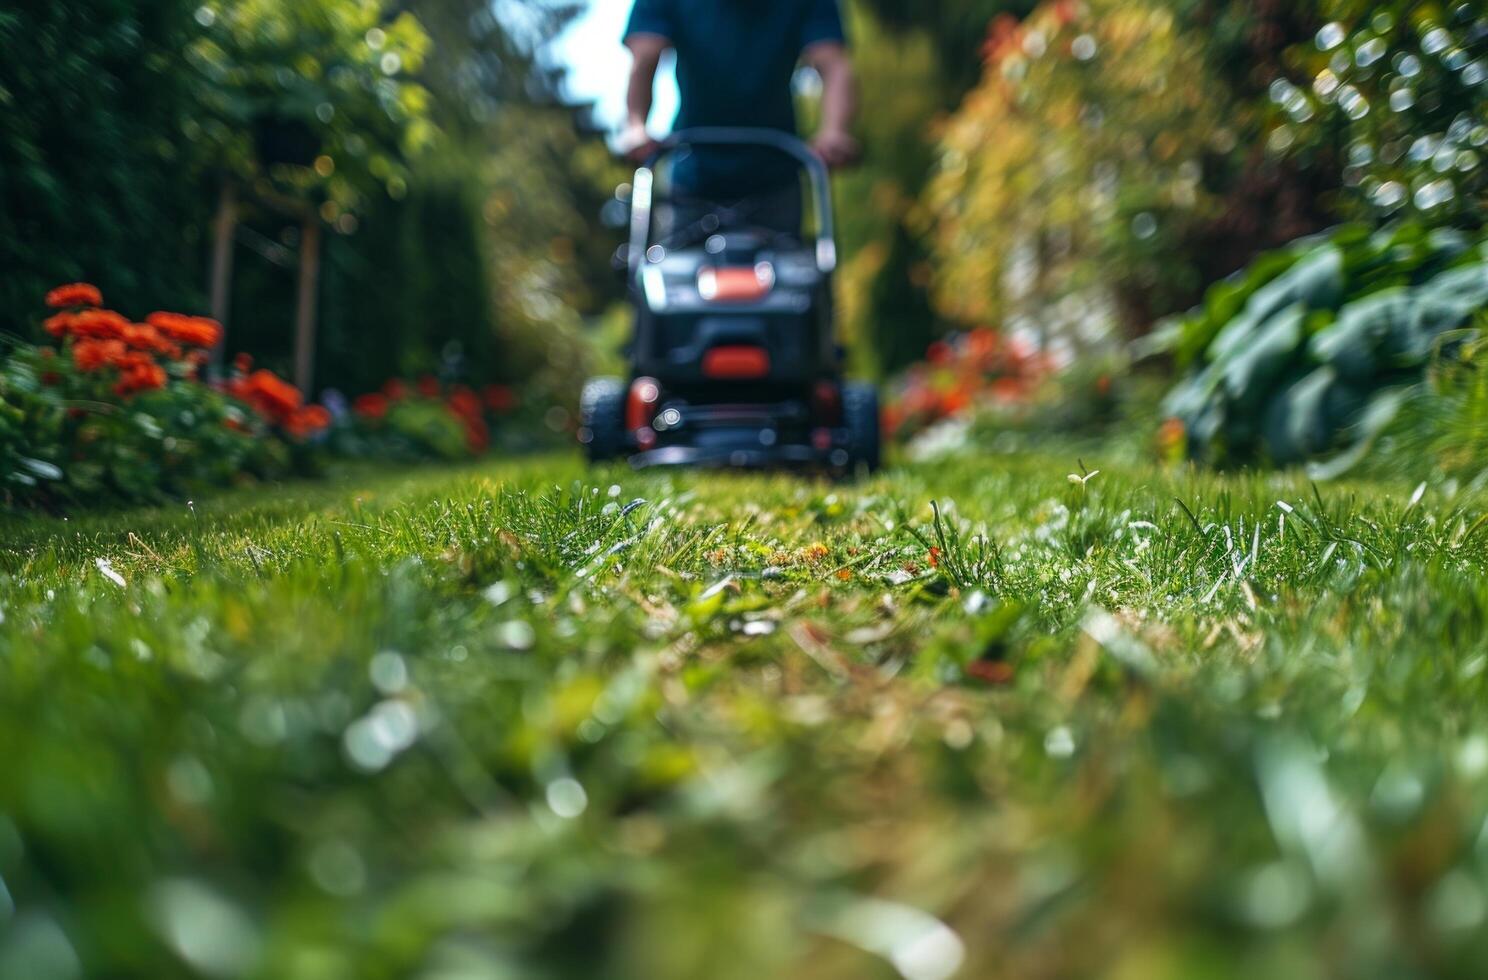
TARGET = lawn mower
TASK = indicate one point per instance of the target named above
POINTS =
(734, 361)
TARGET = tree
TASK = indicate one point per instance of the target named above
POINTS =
(320, 101)
(1111, 164)
(493, 245)
(956, 32)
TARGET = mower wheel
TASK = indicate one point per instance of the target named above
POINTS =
(860, 414)
(602, 419)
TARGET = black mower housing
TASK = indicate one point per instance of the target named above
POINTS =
(752, 380)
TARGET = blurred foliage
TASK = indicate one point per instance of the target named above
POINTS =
(1320, 347)
(1402, 87)
(957, 31)
(1308, 351)
(318, 99)
(436, 315)
(67, 441)
(915, 61)
(885, 310)
(537, 174)
(1099, 175)
(92, 166)
(496, 266)
(456, 190)
(432, 420)
(1441, 430)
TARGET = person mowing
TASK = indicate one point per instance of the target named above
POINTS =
(735, 63)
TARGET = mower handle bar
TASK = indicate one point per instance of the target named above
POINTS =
(816, 171)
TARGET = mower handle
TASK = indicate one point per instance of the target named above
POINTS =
(816, 171)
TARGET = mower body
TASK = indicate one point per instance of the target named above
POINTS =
(734, 359)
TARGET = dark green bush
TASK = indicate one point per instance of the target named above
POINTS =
(1305, 352)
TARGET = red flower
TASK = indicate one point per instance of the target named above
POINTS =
(464, 403)
(996, 672)
(308, 421)
(934, 557)
(1004, 38)
(428, 386)
(954, 401)
(372, 406)
(270, 395)
(59, 325)
(279, 396)
(142, 336)
(94, 355)
(477, 436)
(99, 324)
(1009, 389)
(395, 390)
(499, 398)
(138, 372)
(243, 363)
(1172, 438)
(983, 343)
(939, 353)
(194, 331)
(77, 294)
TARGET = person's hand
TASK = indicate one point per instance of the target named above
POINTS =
(836, 147)
(636, 143)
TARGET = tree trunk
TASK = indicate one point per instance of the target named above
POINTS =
(225, 227)
(309, 294)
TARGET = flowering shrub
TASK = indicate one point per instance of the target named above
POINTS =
(1072, 177)
(426, 419)
(116, 410)
(975, 368)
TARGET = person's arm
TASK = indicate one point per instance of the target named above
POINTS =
(647, 50)
(653, 24)
(834, 142)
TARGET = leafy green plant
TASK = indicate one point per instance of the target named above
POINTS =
(1303, 353)
(404, 423)
(1441, 428)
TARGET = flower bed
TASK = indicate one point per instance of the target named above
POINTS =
(425, 420)
(114, 410)
(977, 368)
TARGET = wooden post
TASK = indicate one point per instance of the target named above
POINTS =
(305, 313)
(225, 227)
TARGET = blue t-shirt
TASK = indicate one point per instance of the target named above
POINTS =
(735, 61)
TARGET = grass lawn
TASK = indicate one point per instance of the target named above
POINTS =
(529, 721)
